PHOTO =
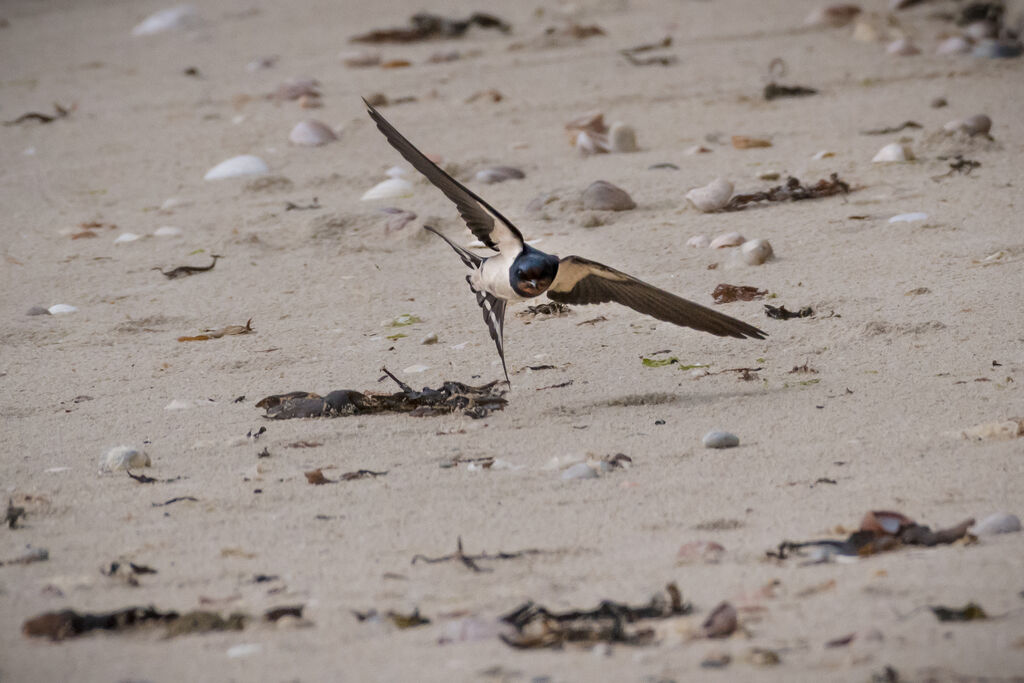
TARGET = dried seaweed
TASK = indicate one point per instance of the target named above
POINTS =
(13, 514)
(727, 294)
(783, 313)
(609, 622)
(292, 206)
(426, 26)
(593, 321)
(59, 112)
(128, 572)
(972, 611)
(177, 499)
(470, 561)
(476, 402)
(276, 613)
(888, 130)
(792, 190)
(402, 621)
(222, 332)
(552, 309)
(630, 53)
(958, 165)
(879, 531)
(185, 271)
(774, 91)
(317, 477)
(66, 624)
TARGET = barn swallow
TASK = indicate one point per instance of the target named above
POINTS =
(519, 272)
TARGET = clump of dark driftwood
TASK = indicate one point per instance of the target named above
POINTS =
(451, 397)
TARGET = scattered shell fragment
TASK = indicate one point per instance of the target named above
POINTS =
(499, 174)
(242, 165)
(708, 552)
(172, 18)
(712, 197)
(296, 89)
(580, 470)
(126, 237)
(979, 124)
(588, 133)
(167, 231)
(430, 339)
(997, 523)
(747, 142)
(980, 30)
(717, 439)
(998, 49)
(986, 431)
(823, 154)
(729, 239)
(893, 152)
(835, 16)
(699, 241)
(696, 149)
(123, 458)
(416, 368)
(62, 309)
(622, 138)
(908, 217)
(392, 188)
(603, 196)
(902, 47)
(756, 252)
(954, 45)
(311, 133)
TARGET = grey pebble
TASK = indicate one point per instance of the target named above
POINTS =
(580, 470)
(499, 174)
(997, 49)
(603, 196)
(38, 310)
(715, 439)
(997, 523)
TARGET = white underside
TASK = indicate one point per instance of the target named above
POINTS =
(492, 277)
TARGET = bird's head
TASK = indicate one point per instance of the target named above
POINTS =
(532, 273)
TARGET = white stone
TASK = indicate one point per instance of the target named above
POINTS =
(62, 309)
(997, 523)
(167, 231)
(956, 45)
(699, 242)
(893, 152)
(902, 47)
(712, 197)
(729, 239)
(242, 165)
(392, 188)
(756, 252)
(908, 217)
(416, 368)
(172, 18)
(622, 137)
(580, 470)
(311, 133)
(430, 339)
(126, 237)
(123, 458)
(717, 439)
(244, 650)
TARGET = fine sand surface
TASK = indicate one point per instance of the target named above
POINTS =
(916, 337)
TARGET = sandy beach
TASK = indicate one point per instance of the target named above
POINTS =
(872, 402)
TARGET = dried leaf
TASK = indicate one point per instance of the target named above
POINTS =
(727, 294)
(972, 611)
(745, 142)
(317, 477)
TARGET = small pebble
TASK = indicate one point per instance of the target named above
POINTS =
(979, 124)
(712, 197)
(980, 30)
(167, 231)
(902, 48)
(956, 45)
(429, 339)
(823, 154)
(244, 650)
(62, 309)
(172, 18)
(908, 217)
(998, 523)
(893, 152)
(416, 368)
(126, 237)
(622, 137)
(938, 103)
(499, 174)
(715, 439)
(311, 133)
(38, 310)
(696, 149)
(997, 49)
(834, 16)
(603, 196)
(243, 165)
(580, 470)
(699, 242)
(123, 458)
(729, 239)
(392, 188)
(756, 252)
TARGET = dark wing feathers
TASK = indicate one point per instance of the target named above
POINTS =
(478, 214)
(581, 281)
(494, 316)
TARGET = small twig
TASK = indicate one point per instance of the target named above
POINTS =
(175, 500)
(404, 387)
(470, 560)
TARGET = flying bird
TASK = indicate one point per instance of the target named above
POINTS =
(519, 272)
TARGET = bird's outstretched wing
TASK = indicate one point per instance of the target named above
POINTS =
(581, 281)
(479, 215)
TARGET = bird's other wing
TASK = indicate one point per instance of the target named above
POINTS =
(581, 281)
(479, 215)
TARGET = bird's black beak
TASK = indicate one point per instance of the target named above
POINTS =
(532, 284)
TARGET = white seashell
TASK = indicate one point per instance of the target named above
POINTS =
(172, 203)
(699, 241)
(865, 32)
(172, 18)
(416, 368)
(397, 172)
(311, 133)
(123, 458)
(62, 309)
(823, 154)
(167, 231)
(580, 470)
(997, 523)
(499, 174)
(712, 197)
(430, 339)
(980, 30)
(243, 165)
(244, 650)
(622, 138)
(125, 237)
(696, 149)
(756, 252)
(893, 152)
(957, 45)
(908, 217)
(716, 439)
(902, 47)
(392, 188)
(185, 404)
(590, 143)
(729, 239)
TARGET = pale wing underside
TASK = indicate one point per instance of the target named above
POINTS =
(581, 281)
(489, 226)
